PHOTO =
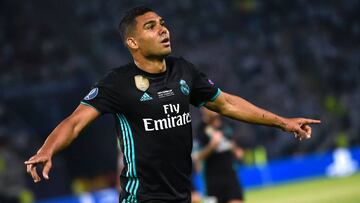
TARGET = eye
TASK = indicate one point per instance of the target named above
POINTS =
(149, 26)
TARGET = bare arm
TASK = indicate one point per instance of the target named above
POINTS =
(238, 108)
(59, 138)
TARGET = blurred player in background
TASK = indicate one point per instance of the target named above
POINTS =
(150, 99)
(12, 177)
(219, 153)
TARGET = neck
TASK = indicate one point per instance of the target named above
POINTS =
(151, 65)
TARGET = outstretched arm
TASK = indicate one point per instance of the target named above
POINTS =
(59, 138)
(238, 108)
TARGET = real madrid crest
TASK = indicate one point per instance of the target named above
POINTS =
(141, 82)
(184, 87)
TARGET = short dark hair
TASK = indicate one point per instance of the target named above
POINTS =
(128, 20)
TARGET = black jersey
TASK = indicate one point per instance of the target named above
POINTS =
(220, 175)
(222, 159)
(154, 122)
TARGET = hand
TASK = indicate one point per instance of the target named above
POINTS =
(216, 138)
(299, 126)
(36, 160)
(238, 152)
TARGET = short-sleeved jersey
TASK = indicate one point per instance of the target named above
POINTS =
(154, 124)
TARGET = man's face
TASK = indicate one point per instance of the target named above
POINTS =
(151, 35)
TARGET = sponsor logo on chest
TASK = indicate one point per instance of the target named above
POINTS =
(173, 117)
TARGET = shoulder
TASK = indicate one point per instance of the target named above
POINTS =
(177, 60)
(121, 71)
(181, 62)
(115, 75)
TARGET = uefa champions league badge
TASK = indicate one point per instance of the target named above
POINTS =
(92, 94)
(184, 87)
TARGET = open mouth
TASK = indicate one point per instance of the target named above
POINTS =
(166, 41)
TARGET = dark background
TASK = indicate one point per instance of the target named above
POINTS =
(295, 58)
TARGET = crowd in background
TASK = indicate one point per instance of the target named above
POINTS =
(291, 57)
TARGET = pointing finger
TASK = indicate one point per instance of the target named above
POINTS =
(311, 121)
(32, 161)
(36, 160)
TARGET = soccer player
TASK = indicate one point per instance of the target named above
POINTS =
(150, 98)
(218, 152)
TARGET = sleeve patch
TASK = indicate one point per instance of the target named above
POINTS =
(92, 94)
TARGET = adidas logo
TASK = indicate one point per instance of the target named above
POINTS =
(146, 97)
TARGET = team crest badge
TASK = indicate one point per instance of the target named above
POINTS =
(184, 87)
(141, 82)
(92, 94)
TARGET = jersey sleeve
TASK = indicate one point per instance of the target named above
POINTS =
(102, 96)
(203, 89)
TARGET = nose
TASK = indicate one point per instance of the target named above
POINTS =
(163, 30)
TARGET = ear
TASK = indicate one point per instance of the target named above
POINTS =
(132, 43)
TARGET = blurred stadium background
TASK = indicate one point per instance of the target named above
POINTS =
(296, 57)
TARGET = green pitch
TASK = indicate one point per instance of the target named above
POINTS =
(326, 190)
